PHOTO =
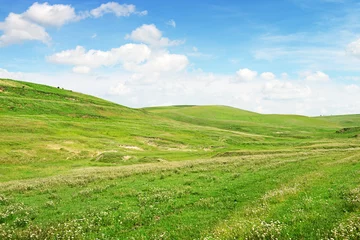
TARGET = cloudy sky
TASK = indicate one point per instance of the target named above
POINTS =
(283, 56)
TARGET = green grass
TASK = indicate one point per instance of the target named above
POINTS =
(76, 166)
(343, 120)
(233, 119)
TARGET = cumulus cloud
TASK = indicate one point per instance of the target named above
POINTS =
(51, 15)
(136, 58)
(115, 8)
(316, 76)
(17, 29)
(120, 10)
(133, 53)
(245, 75)
(31, 25)
(268, 76)
(279, 90)
(133, 57)
(151, 35)
(162, 61)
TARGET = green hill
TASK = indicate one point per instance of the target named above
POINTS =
(73, 166)
(343, 120)
(61, 125)
(239, 120)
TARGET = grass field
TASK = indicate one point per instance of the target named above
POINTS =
(77, 167)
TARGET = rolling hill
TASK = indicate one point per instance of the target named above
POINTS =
(239, 120)
(76, 166)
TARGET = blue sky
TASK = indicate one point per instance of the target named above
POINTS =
(285, 56)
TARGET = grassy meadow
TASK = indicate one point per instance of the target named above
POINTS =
(73, 166)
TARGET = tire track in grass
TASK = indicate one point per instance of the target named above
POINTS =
(91, 174)
(254, 177)
(250, 222)
(314, 212)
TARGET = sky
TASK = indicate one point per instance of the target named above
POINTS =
(284, 56)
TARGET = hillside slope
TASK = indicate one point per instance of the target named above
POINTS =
(73, 166)
(63, 130)
(239, 120)
(352, 120)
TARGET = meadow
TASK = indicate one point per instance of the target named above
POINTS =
(73, 166)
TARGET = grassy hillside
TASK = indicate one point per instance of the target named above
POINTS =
(70, 130)
(73, 166)
(239, 120)
(343, 120)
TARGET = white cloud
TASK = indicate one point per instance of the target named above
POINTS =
(151, 35)
(138, 58)
(268, 76)
(354, 48)
(81, 69)
(120, 89)
(120, 10)
(161, 61)
(129, 53)
(50, 15)
(94, 35)
(278, 90)
(171, 23)
(316, 76)
(245, 75)
(10, 75)
(31, 24)
(198, 87)
(352, 88)
(17, 29)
